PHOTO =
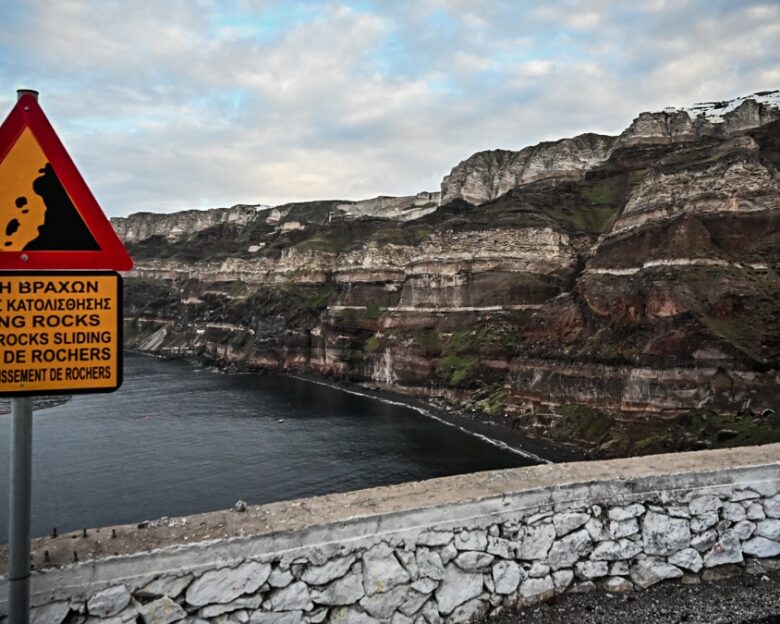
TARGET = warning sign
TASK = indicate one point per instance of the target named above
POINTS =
(49, 219)
(60, 332)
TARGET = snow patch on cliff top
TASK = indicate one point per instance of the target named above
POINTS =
(716, 111)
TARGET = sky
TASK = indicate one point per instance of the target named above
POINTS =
(170, 105)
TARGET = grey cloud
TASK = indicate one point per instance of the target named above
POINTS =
(163, 109)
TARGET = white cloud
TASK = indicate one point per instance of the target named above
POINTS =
(171, 105)
(534, 68)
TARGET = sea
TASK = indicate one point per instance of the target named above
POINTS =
(179, 438)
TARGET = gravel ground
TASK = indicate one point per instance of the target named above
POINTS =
(743, 600)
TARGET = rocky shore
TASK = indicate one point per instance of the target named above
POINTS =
(490, 428)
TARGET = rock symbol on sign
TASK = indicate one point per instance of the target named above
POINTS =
(49, 219)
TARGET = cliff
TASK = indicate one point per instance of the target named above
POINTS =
(143, 225)
(619, 292)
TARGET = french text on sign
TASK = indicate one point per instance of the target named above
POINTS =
(60, 332)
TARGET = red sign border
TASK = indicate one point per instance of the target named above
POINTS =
(112, 254)
(120, 337)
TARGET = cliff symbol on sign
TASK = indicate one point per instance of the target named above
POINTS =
(48, 217)
(35, 210)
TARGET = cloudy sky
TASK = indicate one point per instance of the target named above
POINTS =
(175, 104)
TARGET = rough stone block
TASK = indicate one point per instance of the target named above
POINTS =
(382, 606)
(589, 570)
(755, 511)
(429, 564)
(471, 540)
(294, 597)
(109, 602)
(507, 575)
(733, 512)
(623, 528)
(616, 550)
(726, 550)
(468, 612)
(704, 541)
(761, 547)
(618, 585)
(227, 584)
(171, 586)
(162, 611)
(535, 590)
(562, 579)
(704, 504)
(435, 538)
(345, 615)
(772, 506)
(663, 535)
(538, 570)
(536, 542)
(567, 550)
(618, 514)
(565, 523)
(324, 574)
(52, 613)
(688, 558)
(769, 528)
(344, 591)
(704, 521)
(381, 570)
(472, 561)
(649, 571)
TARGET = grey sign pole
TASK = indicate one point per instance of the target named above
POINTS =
(20, 501)
(20, 508)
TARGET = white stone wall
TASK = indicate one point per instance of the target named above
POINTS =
(450, 561)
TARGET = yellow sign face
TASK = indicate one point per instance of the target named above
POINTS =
(60, 332)
(22, 210)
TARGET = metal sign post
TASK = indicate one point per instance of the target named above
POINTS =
(19, 513)
(62, 328)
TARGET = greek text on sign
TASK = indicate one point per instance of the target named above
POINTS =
(60, 332)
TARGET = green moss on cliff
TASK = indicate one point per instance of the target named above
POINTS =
(429, 341)
(331, 241)
(740, 332)
(459, 362)
(603, 193)
(402, 234)
(308, 298)
(457, 369)
(582, 423)
(725, 430)
(387, 236)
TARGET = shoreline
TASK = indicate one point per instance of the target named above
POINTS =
(515, 441)
(512, 440)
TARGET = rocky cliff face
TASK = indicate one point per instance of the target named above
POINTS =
(487, 175)
(143, 225)
(623, 294)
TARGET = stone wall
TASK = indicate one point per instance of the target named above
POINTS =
(444, 550)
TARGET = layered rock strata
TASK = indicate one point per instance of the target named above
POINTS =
(630, 307)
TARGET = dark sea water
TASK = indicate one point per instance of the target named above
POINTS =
(177, 439)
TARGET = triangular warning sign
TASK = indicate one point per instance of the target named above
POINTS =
(49, 219)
